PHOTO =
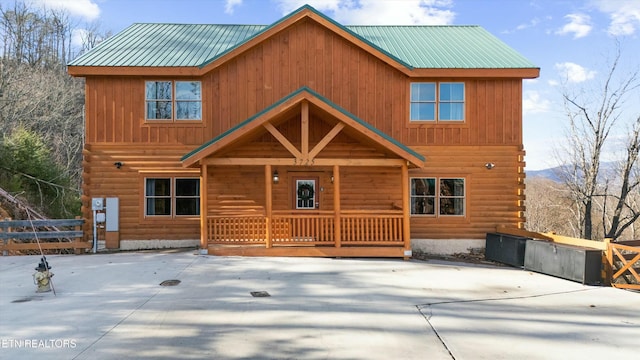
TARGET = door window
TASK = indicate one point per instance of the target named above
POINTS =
(305, 194)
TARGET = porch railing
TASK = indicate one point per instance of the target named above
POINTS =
(371, 228)
(361, 227)
(290, 228)
(237, 229)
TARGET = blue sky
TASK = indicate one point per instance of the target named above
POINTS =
(570, 40)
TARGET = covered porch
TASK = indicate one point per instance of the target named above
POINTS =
(305, 178)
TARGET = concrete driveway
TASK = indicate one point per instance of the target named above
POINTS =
(111, 306)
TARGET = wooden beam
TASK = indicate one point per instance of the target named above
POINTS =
(81, 71)
(336, 205)
(283, 140)
(326, 140)
(365, 131)
(566, 240)
(304, 129)
(357, 162)
(269, 203)
(406, 210)
(523, 73)
(300, 162)
(204, 231)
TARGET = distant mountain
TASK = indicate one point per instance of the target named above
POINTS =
(553, 173)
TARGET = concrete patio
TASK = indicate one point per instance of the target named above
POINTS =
(111, 306)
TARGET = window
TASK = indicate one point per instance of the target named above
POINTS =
(179, 100)
(172, 197)
(430, 196)
(451, 197)
(423, 196)
(441, 101)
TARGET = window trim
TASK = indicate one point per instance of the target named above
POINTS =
(172, 195)
(437, 102)
(437, 197)
(174, 100)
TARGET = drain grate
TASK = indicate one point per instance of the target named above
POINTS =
(260, 294)
(170, 283)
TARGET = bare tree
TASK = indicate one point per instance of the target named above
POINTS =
(92, 35)
(547, 205)
(592, 117)
(37, 95)
(625, 212)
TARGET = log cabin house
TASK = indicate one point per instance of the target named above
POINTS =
(305, 137)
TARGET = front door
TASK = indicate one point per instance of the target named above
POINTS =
(305, 193)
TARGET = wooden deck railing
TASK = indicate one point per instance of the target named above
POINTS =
(315, 228)
(624, 260)
(371, 228)
(237, 229)
(309, 228)
(23, 237)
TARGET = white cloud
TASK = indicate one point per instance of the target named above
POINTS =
(533, 103)
(624, 15)
(379, 12)
(86, 9)
(533, 23)
(230, 5)
(578, 25)
(77, 37)
(574, 73)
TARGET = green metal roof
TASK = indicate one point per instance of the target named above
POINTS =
(195, 45)
(457, 47)
(167, 45)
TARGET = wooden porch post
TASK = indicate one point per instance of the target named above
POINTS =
(204, 231)
(268, 204)
(336, 206)
(304, 133)
(406, 212)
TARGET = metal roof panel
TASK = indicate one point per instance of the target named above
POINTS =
(192, 45)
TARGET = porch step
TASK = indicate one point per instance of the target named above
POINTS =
(308, 251)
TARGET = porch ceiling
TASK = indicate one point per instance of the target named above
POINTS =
(298, 104)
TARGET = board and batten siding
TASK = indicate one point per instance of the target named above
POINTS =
(304, 55)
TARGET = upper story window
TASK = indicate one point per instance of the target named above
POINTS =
(444, 196)
(432, 101)
(173, 100)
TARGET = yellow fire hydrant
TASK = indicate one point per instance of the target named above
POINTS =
(42, 276)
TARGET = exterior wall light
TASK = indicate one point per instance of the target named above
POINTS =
(276, 177)
(118, 164)
(489, 166)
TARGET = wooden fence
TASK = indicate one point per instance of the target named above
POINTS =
(623, 259)
(23, 237)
